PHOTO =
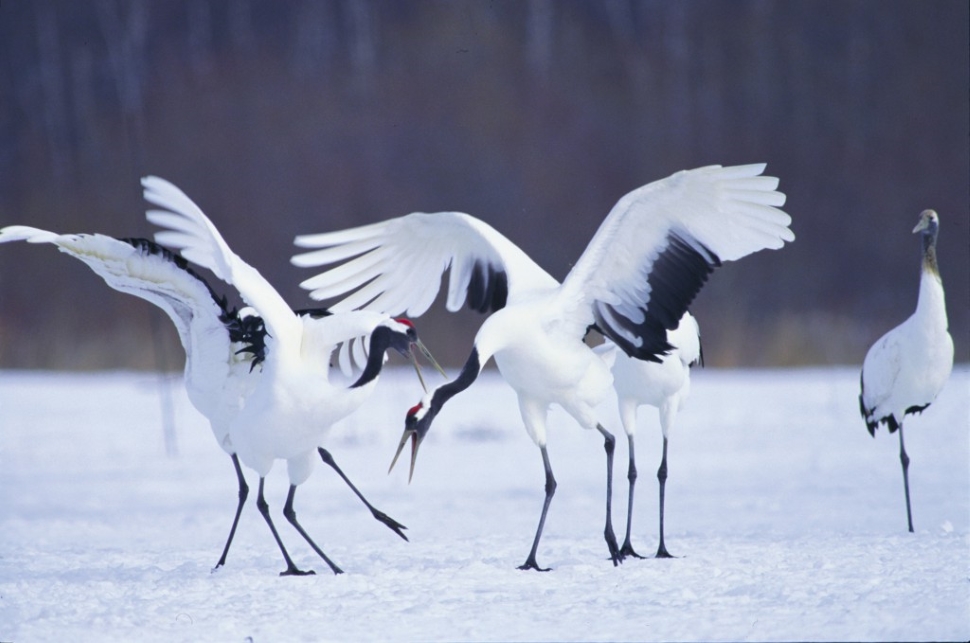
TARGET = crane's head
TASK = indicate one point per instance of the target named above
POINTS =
(929, 222)
(406, 340)
(400, 335)
(416, 426)
(421, 415)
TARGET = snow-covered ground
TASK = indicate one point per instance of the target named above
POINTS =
(787, 519)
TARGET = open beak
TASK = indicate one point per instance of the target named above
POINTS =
(417, 367)
(415, 443)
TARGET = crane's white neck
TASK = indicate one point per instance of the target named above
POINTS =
(931, 303)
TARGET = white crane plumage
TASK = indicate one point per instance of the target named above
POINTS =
(664, 385)
(635, 279)
(261, 378)
(907, 367)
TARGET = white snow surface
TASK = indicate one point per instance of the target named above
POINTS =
(787, 518)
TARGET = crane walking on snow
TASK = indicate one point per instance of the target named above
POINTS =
(647, 261)
(261, 378)
(907, 367)
(664, 385)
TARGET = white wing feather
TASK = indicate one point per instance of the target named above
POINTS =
(398, 263)
(693, 220)
(190, 231)
(154, 277)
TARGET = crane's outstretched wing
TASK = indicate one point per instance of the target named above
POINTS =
(659, 243)
(210, 333)
(395, 266)
(190, 231)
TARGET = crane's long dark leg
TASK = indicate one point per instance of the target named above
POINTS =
(530, 562)
(631, 476)
(662, 477)
(904, 459)
(609, 443)
(291, 516)
(243, 494)
(394, 525)
(291, 569)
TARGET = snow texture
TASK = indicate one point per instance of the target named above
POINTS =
(787, 518)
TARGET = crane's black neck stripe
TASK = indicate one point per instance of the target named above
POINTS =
(929, 247)
(929, 234)
(469, 373)
(381, 340)
(675, 277)
(488, 288)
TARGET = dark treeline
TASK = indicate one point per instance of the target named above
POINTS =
(282, 118)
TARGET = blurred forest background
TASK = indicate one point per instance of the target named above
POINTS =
(282, 118)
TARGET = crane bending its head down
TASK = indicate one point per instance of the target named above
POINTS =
(636, 278)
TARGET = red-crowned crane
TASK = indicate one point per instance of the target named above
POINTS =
(261, 378)
(645, 264)
(664, 385)
(907, 367)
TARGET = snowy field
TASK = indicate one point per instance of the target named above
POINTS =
(788, 521)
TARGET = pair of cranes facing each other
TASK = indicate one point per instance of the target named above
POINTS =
(261, 375)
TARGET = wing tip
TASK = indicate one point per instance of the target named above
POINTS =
(26, 233)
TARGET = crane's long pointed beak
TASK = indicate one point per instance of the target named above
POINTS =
(415, 443)
(417, 369)
(428, 356)
(417, 366)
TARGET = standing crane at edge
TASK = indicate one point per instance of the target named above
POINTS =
(907, 367)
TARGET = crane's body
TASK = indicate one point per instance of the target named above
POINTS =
(907, 367)
(545, 364)
(664, 385)
(261, 376)
(644, 265)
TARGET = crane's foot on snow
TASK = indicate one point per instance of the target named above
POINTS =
(627, 551)
(663, 553)
(294, 571)
(531, 563)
